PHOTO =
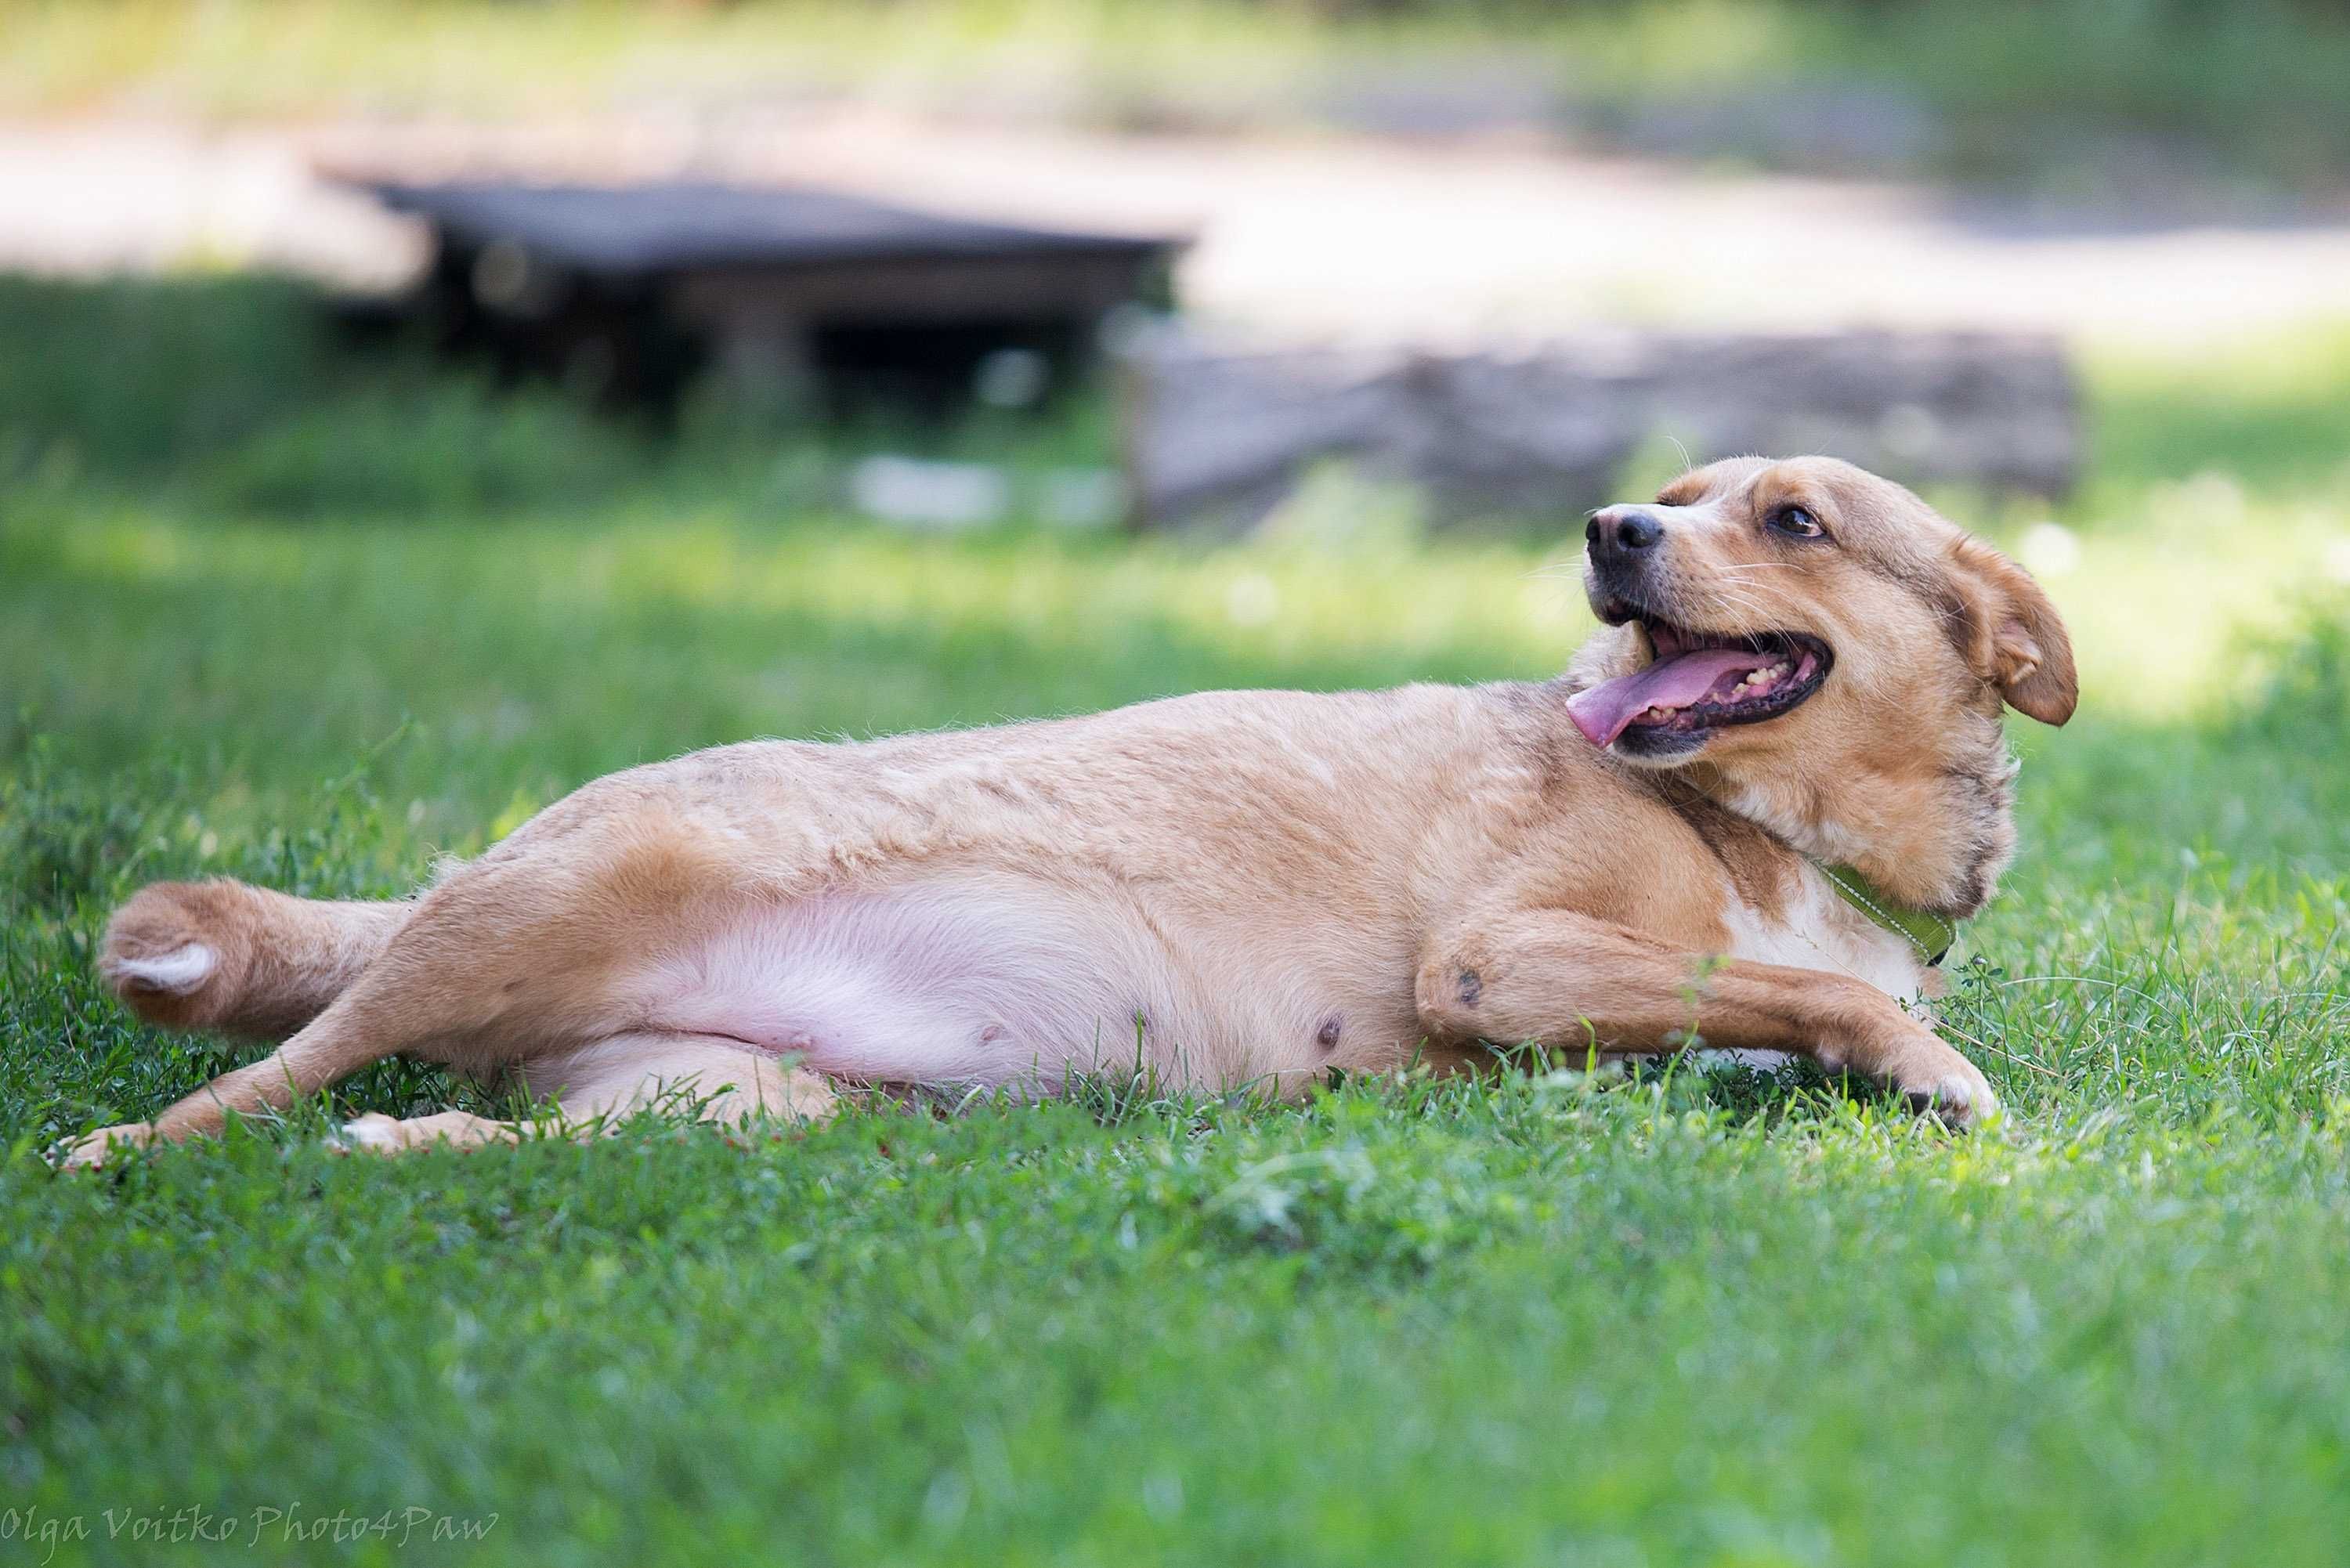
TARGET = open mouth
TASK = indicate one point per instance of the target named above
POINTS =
(1698, 682)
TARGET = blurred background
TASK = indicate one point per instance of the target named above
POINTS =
(484, 394)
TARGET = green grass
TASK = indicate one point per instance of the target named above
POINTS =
(1538, 1318)
(2059, 95)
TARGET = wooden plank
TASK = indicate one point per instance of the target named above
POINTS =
(665, 227)
(912, 290)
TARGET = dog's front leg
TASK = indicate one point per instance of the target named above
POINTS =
(1554, 978)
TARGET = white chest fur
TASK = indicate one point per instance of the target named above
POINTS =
(1819, 931)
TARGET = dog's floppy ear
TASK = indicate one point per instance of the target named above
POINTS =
(2011, 635)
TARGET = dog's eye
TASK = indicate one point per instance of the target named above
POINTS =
(1797, 521)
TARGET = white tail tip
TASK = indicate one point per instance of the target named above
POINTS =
(179, 972)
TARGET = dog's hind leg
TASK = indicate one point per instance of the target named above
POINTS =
(434, 985)
(379, 1134)
(360, 1027)
(720, 1079)
(598, 1086)
(502, 964)
(240, 960)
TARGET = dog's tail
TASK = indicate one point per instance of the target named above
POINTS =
(240, 960)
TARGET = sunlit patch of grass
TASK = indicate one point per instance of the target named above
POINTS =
(2267, 416)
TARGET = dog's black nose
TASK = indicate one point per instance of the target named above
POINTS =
(1623, 530)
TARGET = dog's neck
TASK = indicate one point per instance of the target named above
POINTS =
(1931, 830)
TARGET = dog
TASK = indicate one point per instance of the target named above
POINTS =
(1779, 761)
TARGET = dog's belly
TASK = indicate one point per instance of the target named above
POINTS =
(988, 979)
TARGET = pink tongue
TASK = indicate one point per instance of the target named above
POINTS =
(1607, 711)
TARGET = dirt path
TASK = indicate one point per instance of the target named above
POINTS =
(1349, 240)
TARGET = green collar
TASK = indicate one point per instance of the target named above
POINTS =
(1930, 934)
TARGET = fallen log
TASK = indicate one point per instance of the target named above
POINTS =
(1220, 437)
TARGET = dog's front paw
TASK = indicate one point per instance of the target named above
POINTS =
(1911, 1060)
(1948, 1085)
(90, 1152)
(1964, 1100)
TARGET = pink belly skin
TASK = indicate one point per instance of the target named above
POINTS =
(980, 980)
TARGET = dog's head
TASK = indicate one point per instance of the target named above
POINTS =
(1814, 640)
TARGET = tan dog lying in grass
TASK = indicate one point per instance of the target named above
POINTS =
(1793, 718)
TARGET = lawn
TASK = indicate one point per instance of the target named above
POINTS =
(1540, 1318)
